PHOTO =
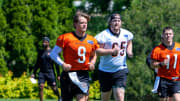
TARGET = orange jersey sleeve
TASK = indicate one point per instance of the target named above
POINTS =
(60, 41)
(171, 70)
(77, 52)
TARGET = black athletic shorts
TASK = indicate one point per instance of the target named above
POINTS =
(109, 80)
(69, 89)
(49, 77)
(177, 87)
(167, 87)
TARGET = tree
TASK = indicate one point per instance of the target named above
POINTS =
(28, 22)
(51, 18)
(20, 43)
(104, 6)
(3, 53)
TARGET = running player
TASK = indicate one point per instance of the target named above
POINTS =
(166, 57)
(79, 57)
(113, 69)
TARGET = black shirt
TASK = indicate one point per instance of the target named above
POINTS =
(45, 63)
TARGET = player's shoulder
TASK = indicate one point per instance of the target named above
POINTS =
(159, 48)
(103, 34)
(90, 37)
(177, 44)
(66, 34)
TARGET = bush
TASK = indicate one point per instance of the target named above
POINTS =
(23, 88)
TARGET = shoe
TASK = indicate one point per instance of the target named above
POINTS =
(60, 99)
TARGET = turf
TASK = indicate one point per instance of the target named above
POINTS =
(26, 100)
(34, 100)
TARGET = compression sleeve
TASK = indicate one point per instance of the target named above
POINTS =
(54, 55)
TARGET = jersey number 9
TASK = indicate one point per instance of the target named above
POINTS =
(82, 54)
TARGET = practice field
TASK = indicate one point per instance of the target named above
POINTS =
(26, 100)
(33, 100)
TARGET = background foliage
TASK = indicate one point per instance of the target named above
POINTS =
(22, 87)
(23, 23)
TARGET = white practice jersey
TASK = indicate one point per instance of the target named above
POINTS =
(111, 63)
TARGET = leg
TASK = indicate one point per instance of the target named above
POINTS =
(52, 82)
(41, 81)
(119, 94)
(81, 94)
(81, 97)
(105, 80)
(66, 87)
(162, 99)
(120, 84)
(41, 86)
(177, 97)
(169, 99)
(105, 96)
(56, 91)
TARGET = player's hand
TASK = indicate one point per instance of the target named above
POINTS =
(32, 76)
(130, 55)
(115, 51)
(66, 67)
(155, 64)
(58, 78)
(165, 62)
(91, 66)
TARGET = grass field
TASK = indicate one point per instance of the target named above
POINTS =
(26, 100)
(33, 100)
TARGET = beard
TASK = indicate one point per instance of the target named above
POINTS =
(45, 46)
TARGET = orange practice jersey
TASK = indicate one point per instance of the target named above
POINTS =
(77, 52)
(171, 70)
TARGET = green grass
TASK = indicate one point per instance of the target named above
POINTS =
(26, 100)
(33, 100)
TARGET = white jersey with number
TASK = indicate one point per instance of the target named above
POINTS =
(111, 63)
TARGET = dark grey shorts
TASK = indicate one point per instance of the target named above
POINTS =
(109, 80)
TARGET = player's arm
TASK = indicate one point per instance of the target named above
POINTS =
(58, 71)
(157, 64)
(92, 61)
(36, 67)
(130, 49)
(101, 51)
(148, 61)
(55, 56)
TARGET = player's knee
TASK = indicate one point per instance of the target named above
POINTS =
(41, 86)
(54, 88)
(81, 97)
(54, 84)
(122, 90)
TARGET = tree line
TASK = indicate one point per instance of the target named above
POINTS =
(23, 23)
